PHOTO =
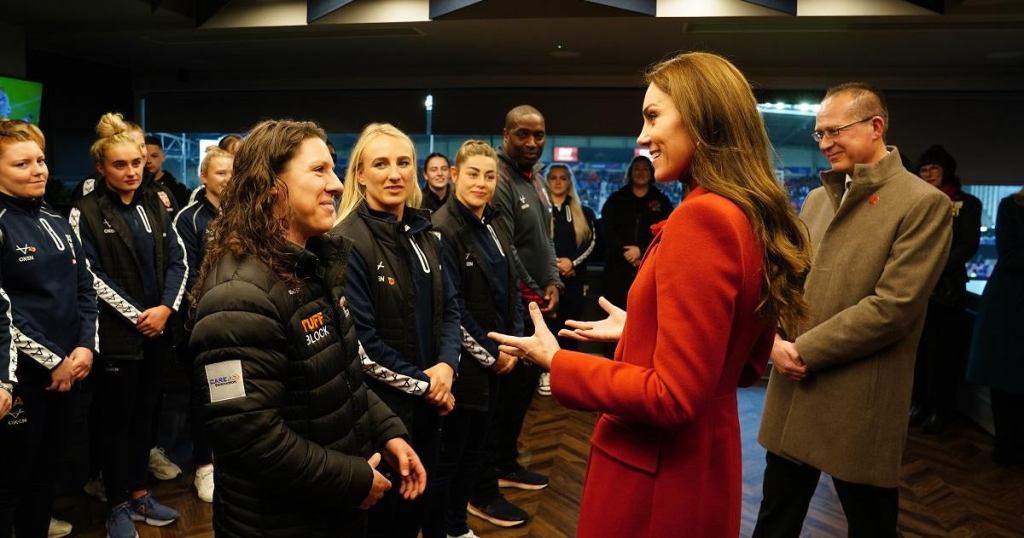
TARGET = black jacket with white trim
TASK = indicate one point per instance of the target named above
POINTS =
(107, 240)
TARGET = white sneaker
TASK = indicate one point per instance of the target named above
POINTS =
(204, 483)
(544, 388)
(469, 534)
(58, 528)
(160, 466)
(95, 488)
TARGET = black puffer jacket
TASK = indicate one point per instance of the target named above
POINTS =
(291, 450)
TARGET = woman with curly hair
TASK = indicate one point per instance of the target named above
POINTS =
(296, 434)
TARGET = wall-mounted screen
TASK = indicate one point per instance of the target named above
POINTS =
(20, 99)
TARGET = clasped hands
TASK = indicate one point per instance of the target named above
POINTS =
(540, 348)
(71, 370)
(786, 360)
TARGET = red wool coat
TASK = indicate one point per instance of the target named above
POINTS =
(665, 455)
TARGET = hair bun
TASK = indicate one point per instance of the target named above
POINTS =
(110, 124)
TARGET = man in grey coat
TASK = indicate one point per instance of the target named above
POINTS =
(838, 399)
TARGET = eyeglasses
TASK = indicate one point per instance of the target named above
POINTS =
(833, 132)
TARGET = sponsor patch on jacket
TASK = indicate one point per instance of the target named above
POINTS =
(315, 327)
(225, 381)
(16, 416)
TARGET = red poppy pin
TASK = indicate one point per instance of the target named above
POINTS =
(873, 199)
(391, 281)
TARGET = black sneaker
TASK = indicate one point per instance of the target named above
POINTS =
(522, 478)
(500, 512)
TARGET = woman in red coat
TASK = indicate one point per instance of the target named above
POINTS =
(720, 273)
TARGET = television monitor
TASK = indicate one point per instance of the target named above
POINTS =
(20, 99)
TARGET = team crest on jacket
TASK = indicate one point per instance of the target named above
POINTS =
(166, 200)
(315, 327)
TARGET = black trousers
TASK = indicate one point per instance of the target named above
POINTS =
(128, 394)
(202, 452)
(463, 443)
(871, 512)
(1008, 419)
(393, 516)
(33, 436)
(941, 358)
(515, 392)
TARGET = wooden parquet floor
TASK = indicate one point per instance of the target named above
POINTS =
(949, 486)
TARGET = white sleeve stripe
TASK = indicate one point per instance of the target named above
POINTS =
(47, 358)
(103, 291)
(96, 321)
(476, 350)
(12, 364)
(593, 241)
(402, 382)
(184, 273)
(115, 301)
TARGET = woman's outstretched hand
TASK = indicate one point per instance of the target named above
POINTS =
(539, 349)
(608, 329)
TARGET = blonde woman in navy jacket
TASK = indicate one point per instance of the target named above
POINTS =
(47, 291)
(140, 268)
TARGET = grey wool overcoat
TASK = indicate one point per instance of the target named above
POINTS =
(876, 257)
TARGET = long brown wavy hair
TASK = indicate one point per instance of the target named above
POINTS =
(252, 220)
(733, 159)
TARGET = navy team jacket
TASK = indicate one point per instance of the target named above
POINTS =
(46, 291)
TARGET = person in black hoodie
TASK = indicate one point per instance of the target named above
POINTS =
(140, 268)
(478, 260)
(155, 158)
(192, 223)
(626, 219)
(47, 334)
(942, 351)
(297, 435)
(405, 310)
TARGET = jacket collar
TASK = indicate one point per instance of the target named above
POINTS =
(513, 167)
(413, 221)
(463, 215)
(26, 205)
(864, 175)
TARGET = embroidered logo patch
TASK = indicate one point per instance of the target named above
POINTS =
(225, 381)
(16, 416)
(26, 252)
(166, 200)
(315, 327)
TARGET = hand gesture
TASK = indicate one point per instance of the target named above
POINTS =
(504, 364)
(402, 457)
(608, 329)
(63, 376)
(539, 349)
(787, 361)
(441, 375)
(550, 301)
(632, 254)
(565, 267)
(6, 400)
(152, 321)
(380, 484)
(81, 360)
